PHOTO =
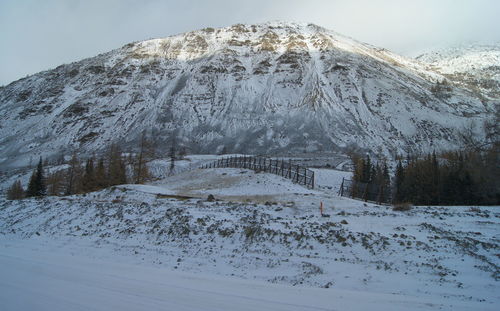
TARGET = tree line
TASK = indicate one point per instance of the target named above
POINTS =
(371, 182)
(452, 178)
(468, 177)
(94, 173)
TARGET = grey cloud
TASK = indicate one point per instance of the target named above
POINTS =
(38, 35)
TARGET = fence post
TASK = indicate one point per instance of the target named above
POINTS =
(342, 188)
(312, 180)
(365, 193)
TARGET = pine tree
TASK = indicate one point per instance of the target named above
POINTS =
(385, 185)
(367, 170)
(31, 190)
(117, 173)
(435, 180)
(89, 178)
(399, 195)
(100, 175)
(37, 186)
(40, 180)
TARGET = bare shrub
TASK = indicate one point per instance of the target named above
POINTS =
(402, 207)
(16, 191)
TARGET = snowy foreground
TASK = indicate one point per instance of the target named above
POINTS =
(37, 275)
(261, 246)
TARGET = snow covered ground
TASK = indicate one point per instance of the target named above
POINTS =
(261, 245)
(38, 275)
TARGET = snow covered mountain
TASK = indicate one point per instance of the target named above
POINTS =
(473, 66)
(269, 88)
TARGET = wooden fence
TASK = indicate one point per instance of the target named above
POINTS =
(364, 191)
(298, 174)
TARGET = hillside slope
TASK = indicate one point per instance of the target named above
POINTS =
(268, 88)
(428, 258)
(476, 67)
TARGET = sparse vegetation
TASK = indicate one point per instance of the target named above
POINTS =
(16, 191)
(402, 207)
(113, 168)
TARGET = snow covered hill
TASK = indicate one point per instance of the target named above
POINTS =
(263, 89)
(429, 258)
(473, 66)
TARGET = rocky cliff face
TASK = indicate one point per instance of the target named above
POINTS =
(269, 88)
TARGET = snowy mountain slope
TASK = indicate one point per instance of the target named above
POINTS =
(473, 66)
(268, 88)
(427, 258)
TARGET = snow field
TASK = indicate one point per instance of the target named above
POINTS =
(263, 228)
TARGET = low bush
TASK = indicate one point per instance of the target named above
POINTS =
(402, 207)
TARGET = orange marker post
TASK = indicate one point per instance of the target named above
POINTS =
(321, 208)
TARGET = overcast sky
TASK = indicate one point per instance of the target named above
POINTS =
(41, 34)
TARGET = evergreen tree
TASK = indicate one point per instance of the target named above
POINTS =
(100, 175)
(399, 195)
(385, 186)
(367, 170)
(117, 171)
(435, 195)
(89, 178)
(37, 186)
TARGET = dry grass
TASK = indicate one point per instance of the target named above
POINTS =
(402, 207)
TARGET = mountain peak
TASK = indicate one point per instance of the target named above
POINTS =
(267, 88)
(271, 37)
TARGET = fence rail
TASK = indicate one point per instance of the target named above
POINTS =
(364, 191)
(298, 174)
